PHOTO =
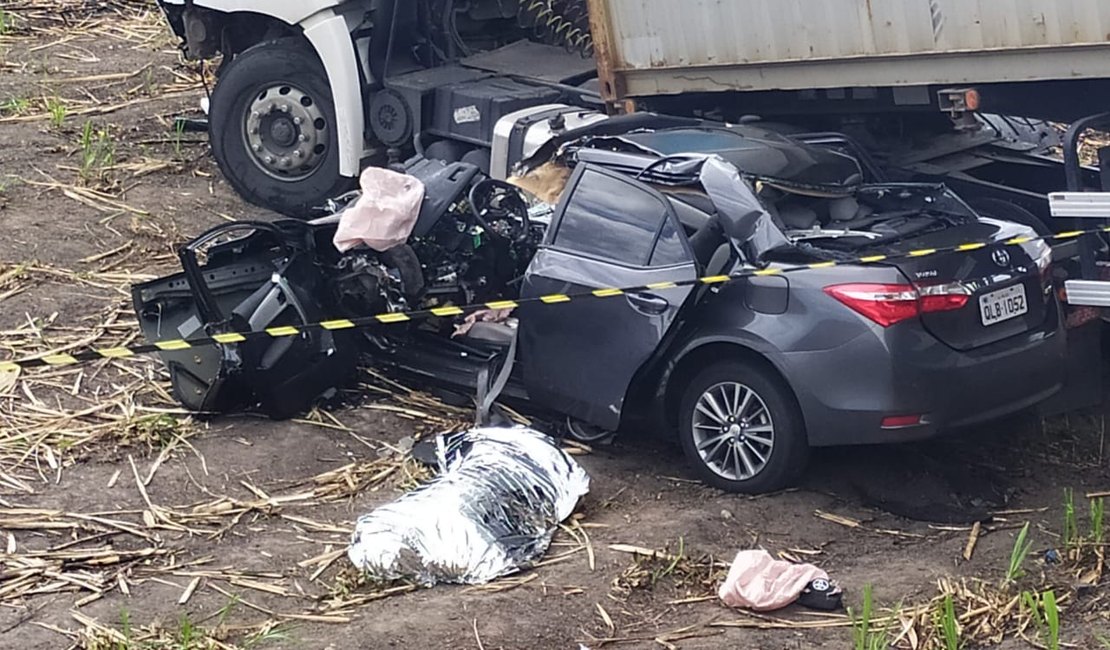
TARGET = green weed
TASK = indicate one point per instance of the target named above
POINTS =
(263, 637)
(7, 23)
(678, 557)
(1022, 546)
(947, 624)
(125, 629)
(16, 106)
(1070, 535)
(149, 86)
(186, 634)
(1046, 616)
(1052, 619)
(97, 151)
(155, 431)
(178, 132)
(57, 112)
(865, 634)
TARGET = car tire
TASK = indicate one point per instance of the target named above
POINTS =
(771, 414)
(587, 434)
(1006, 211)
(272, 128)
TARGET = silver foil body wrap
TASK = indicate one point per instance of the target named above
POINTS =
(492, 510)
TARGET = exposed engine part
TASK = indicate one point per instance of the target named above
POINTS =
(465, 261)
(369, 282)
(473, 249)
(339, 203)
(559, 22)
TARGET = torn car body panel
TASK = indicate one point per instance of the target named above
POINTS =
(258, 277)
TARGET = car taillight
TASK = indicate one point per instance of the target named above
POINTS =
(889, 304)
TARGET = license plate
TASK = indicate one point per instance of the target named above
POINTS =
(1003, 305)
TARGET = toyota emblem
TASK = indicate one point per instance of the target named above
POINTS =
(1001, 257)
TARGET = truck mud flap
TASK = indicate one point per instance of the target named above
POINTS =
(1085, 368)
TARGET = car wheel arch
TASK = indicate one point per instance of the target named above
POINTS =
(694, 359)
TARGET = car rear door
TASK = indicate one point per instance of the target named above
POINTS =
(609, 231)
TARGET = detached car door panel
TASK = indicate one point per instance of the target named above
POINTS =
(579, 357)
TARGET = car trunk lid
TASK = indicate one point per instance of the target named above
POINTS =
(1008, 292)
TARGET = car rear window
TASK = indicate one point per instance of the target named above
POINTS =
(613, 219)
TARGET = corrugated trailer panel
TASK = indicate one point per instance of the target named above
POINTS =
(670, 46)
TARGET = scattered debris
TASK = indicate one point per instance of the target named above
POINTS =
(761, 583)
(822, 595)
(972, 540)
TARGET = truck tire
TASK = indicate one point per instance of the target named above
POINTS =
(741, 429)
(272, 128)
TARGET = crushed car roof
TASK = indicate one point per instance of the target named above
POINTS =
(654, 146)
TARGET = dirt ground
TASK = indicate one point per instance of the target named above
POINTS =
(127, 524)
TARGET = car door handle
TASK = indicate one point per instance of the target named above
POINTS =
(648, 303)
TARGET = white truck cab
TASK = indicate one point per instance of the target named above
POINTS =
(311, 91)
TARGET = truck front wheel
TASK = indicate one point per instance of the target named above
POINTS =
(272, 128)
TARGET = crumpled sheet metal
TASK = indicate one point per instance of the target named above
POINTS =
(492, 510)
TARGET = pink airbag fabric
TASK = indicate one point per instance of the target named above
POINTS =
(384, 216)
(761, 583)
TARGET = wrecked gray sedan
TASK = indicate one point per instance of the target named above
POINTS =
(865, 347)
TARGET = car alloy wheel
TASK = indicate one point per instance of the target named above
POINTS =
(733, 431)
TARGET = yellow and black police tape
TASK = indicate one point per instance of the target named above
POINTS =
(230, 338)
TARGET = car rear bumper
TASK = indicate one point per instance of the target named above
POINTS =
(845, 393)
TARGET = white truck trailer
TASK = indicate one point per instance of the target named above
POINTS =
(310, 92)
(904, 80)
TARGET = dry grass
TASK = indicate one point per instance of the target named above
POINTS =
(51, 419)
(121, 411)
(986, 612)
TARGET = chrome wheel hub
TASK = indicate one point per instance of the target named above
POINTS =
(733, 431)
(286, 132)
